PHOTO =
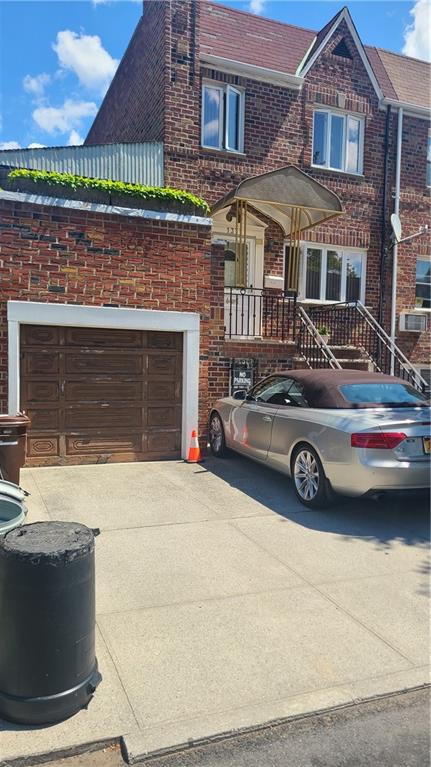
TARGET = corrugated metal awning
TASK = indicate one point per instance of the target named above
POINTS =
(286, 195)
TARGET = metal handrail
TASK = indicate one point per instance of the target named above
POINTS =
(317, 338)
(385, 357)
(403, 361)
(260, 313)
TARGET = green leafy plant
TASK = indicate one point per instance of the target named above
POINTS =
(163, 193)
(323, 330)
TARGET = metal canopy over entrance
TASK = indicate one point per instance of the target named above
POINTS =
(289, 197)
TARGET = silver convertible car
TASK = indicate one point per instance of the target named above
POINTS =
(332, 431)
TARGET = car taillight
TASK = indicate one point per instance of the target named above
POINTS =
(385, 440)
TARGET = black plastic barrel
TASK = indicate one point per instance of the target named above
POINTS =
(48, 666)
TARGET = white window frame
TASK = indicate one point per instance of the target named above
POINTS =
(224, 90)
(421, 309)
(344, 252)
(340, 113)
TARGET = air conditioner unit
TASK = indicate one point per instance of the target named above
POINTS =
(413, 322)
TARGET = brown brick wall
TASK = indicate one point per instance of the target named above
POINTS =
(134, 106)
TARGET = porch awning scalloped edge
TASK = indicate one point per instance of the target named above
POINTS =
(278, 193)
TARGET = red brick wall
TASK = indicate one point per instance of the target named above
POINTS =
(269, 356)
(278, 131)
(134, 106)
(71, 256)
(414, 213)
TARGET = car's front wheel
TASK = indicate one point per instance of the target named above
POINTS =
(309, 478)
(217, 439)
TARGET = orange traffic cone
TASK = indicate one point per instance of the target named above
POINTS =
(194, 455)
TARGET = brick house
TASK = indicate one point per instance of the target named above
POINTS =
(232, 95)
(120, 327)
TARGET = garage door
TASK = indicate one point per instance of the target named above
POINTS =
(98, 395)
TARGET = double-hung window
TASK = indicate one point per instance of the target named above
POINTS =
(338, 141)
(332, 274)
(423, 283)
(222, 117)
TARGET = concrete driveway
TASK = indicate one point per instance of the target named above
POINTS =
(223, 604)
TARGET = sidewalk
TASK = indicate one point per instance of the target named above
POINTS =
(223, 604)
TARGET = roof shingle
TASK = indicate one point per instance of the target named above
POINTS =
(250, 39)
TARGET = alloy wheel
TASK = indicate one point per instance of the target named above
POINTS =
(306, 475)
(216, 434)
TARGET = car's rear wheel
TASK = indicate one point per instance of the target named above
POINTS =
(310, 483)
(217, 439)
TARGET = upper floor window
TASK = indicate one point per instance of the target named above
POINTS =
(338, 141)
(429, 161)
(222, 117)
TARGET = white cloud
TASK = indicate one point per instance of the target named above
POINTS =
(36, 85)
(35, 145)
(9, 145)
(75, 139)
(257, 6)
(417, 41)
(87, 58)
(65, 118)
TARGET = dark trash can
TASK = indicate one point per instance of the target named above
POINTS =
(48, 667)
(13, 438)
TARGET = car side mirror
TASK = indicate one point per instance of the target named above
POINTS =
(240, 394)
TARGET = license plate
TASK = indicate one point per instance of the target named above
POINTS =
(427, 444)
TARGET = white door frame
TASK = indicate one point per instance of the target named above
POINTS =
(34, 313)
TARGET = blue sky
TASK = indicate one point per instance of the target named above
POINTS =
(57, 57)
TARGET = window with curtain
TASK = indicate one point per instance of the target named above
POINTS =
(222, 117)
(338, 141)
(333, 274)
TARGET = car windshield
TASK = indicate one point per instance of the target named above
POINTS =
(390, 394)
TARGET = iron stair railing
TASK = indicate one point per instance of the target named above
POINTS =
(351, 324)
(393, 360)
(311, 345)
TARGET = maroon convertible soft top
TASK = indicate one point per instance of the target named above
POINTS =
(322, 387)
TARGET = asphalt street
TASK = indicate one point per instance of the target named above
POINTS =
(389, 732)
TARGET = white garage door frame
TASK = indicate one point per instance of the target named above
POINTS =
(68, 315)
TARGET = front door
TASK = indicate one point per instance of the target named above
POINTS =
(243, 302)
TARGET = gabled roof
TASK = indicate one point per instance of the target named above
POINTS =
(257, 41)
(408, 79)
(319, 39)
(242, 36)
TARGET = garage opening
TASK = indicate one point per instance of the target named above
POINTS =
(96, 395)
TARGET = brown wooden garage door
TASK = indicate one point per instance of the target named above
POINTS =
(100, 395)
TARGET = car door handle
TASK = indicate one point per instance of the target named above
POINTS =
(267, 418)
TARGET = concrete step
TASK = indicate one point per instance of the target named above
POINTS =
(346, 352)
(360, 364)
